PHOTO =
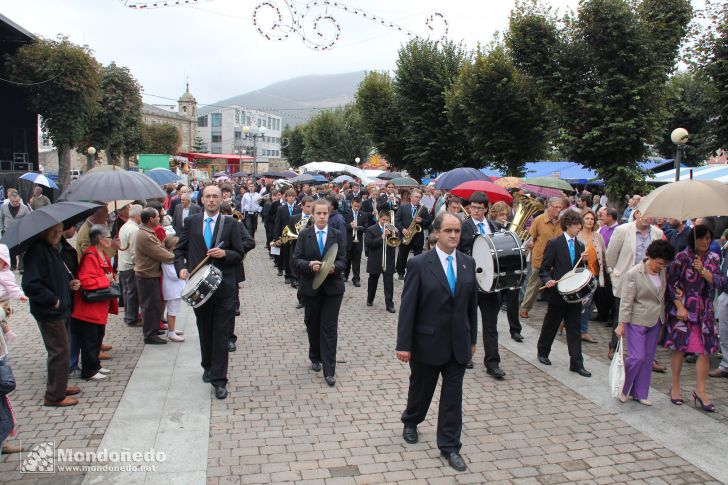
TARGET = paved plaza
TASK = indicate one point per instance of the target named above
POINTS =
(283, 424)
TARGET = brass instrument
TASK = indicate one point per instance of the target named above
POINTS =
(239, 216)
(525, 208)
(392, 239)
(355, 230)
(413, 229)
(288, 235)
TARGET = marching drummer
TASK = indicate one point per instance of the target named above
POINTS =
(561, 255)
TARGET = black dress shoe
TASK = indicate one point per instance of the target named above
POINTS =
(582, 372)
(294, 284)
(369, 303)
(287, 280)
(220, 392)
(280, 272)
(495, 372)
(232, 347)
(410, 435)
(517, 337)
(346, 279)
(206, 376)
(330, 380)
(544, 360)
(237, 313)
(390, 309)
(469, 365)
(316, 366)
(300, 305)
(400, 277)
(454, 460)
(356, 283)
(154, 340)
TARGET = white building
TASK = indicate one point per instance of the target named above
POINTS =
(222, 130)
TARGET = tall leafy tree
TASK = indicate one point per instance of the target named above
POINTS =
(336, 135)
(604, 75)
(63, 85)
(425, 71)
(500, 110)
(293, 150)
(161, 138)
(117, 118)
(375, 100)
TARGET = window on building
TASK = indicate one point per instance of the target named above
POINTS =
(216, 120)
(238, 135)
(202, 121)
(216, 138)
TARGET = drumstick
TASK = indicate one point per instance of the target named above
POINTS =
(565, 277)
(203, 261)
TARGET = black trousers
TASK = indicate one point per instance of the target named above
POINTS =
(615, 309)
(268, 234)
(423, 380)
(322, 324)
(512, 308)
(150, 299)
(236, 308)
(353, 261)
(292, 249)
(251, 222)
(285, 260)
(489, 304)
(372, 283)
(570, 313)
(213, 324)
(90, 337)
(604, 301)
(403, 254)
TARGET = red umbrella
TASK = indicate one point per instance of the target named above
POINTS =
(493, 191)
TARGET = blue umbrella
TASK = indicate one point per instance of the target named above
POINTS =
(451, 179)
(162, 176)
(40, 179)
(343, 178)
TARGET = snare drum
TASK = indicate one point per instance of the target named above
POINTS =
(201, 285)
(500, 262)
(577, 285)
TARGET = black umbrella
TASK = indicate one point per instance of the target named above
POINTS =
(389, 175)
(274, 175)
(220, 174)
(241, 174)
(109, 185)
(21, 234)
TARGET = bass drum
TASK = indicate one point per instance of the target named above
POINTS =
(500, 262)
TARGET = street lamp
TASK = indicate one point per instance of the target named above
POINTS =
(679, 137)
(357, 160)
(90, 157)
(258, 133)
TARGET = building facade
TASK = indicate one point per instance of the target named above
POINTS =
(221, 130)
(184, 118)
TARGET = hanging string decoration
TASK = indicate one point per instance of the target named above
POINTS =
(317, 30)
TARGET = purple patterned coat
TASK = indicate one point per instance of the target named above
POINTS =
(698, 297)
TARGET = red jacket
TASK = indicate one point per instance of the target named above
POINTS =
(92, 274)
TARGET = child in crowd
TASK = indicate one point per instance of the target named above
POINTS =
(172, 288)
(9, 289)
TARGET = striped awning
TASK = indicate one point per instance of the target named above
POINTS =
(706, 172)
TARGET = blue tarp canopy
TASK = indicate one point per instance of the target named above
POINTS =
(706, 172)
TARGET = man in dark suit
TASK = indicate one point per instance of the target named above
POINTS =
(183, 210)
(489, 303)
(437, 334)
(559, 257)
(287, 209)
(305, 215)
(323, 303)
(356, 220)
(212, 234)
(354, 193)
(376, 242)
(270, 210)
(402, 220)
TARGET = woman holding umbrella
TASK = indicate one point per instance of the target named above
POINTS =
(690, 320)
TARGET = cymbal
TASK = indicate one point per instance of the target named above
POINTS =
(326, 265)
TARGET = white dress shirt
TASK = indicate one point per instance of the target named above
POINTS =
(443, 260)
(486, 226)
(249, 202)
(325, 231)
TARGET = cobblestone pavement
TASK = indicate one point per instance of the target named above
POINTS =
(282, 424)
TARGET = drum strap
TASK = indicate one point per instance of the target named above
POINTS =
(219, 230)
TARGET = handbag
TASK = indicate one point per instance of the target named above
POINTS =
(616, 371)
(7, 379)
(101, 294)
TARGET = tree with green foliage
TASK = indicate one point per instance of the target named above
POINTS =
(293, 149)
(604, 72)
(375, 100)
(160, 138)
(199, 145)
(691, 104)
(500, 110)
(336, 135)
(117, 118)
(425, 71)
(62, 82)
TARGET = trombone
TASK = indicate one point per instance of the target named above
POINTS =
(393, 240)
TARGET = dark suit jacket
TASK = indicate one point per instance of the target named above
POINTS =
(270, 216)
(248, 245)
(470, 232)
(307, 250)
(282, 219)
(433, 325)
(191, 247)
(556, 263)
(367, 206)
(403, 219)
(361, 225)
(374, 243)
(177, 221)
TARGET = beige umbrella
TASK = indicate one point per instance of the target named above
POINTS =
(686, 199)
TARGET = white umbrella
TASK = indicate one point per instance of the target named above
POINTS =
(686, 199)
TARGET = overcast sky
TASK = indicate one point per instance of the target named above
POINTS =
(216, 46)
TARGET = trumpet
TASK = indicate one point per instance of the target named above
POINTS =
(355, 231)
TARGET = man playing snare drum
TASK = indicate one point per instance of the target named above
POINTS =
(560, 257)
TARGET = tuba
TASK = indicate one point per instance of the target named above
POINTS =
(525, 208)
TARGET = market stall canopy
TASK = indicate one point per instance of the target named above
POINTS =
(215, 156)
(718, 173)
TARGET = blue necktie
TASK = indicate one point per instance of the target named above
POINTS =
(290, 210)
(208, 232)
(571, 250)
(414, 211)
(481, 228)
(321, 242)
(451, 275)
